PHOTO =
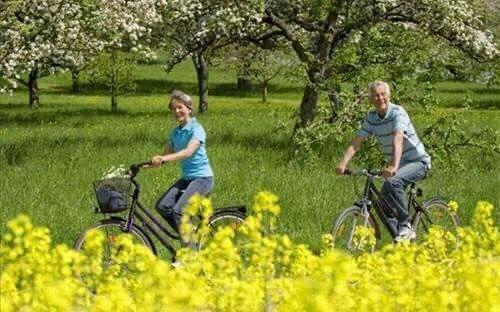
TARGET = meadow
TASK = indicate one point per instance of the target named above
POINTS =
(49, 157)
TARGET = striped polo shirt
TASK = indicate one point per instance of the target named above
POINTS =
(396, 119)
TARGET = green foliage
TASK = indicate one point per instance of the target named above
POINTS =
(113, 70)
(328, 128)
(446, 140)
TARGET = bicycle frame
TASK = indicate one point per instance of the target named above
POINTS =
(151, 223)
(372, 196)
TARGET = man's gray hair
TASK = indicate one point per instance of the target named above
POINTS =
(379, 83)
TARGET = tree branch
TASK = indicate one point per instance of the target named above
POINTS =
(287, 33)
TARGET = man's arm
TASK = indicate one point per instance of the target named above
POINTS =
(349, 153)
(397, 151)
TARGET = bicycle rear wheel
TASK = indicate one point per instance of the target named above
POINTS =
(344, 229)
(232, 219)
(436, 213)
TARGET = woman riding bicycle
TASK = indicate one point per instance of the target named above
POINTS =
(186, 143)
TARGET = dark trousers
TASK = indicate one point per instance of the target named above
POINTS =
(171, 204)
(393, 188)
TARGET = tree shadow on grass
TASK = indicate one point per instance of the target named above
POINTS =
(80, 115)
(476, 104)
(165, 87)
(478, 90)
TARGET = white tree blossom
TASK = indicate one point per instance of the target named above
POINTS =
(41, 37)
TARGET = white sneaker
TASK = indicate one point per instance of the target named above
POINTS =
(405, 234)
(177, 264)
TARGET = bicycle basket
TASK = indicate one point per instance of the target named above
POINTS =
(113, 194)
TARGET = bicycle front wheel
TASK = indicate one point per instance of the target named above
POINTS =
(344, 229)
(111, 228)
(232, 219)
(436, 213)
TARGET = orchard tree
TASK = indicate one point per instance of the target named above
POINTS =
(9, 41)
(125, 26)
(317, 30)
(40, 37)
(259, 65)
(197, 29)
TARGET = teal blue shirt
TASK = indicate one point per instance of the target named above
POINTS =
(197, 165)
(383, 128)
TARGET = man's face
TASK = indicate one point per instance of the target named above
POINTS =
(380, 98)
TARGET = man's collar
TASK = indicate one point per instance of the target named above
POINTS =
(389, 108)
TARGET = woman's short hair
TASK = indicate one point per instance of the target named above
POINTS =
(182, 97)
(379, 83)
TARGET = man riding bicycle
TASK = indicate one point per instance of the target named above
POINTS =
(396, 136)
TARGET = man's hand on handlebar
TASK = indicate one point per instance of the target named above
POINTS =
(388, 172)
(342, 170)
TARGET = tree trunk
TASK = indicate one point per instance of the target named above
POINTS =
(264, 91)
(307, 106)
(114, 83)
(75, 87)
(201, 67)
(33, 89)
(334, 99)
(243, 83)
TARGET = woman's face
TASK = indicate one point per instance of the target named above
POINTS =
(180, 112)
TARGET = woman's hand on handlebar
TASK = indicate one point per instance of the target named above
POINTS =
(157, 161)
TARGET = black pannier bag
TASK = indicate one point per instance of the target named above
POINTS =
(113, 194)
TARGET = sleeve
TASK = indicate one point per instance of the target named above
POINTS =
(366, 129)
(400, 121)
(199, 134)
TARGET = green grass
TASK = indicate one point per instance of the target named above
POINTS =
(50, 157)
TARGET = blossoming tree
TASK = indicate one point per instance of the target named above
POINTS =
(126, 26)
(318, 29)
(199, 28)
(40, 37)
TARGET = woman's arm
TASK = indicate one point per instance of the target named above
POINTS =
(168, 154)
(156, 160)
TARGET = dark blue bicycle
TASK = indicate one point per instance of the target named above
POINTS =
(423, 215)
(117, 195)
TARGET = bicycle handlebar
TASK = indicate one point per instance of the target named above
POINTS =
(362, 172)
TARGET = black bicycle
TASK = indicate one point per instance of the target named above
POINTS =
(116, 195)
(423, 215)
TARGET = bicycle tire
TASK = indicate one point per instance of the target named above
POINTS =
(116, 227)
(341, 225)
(439, 214)
(233, 219)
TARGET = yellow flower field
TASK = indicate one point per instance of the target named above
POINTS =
(268, 273)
